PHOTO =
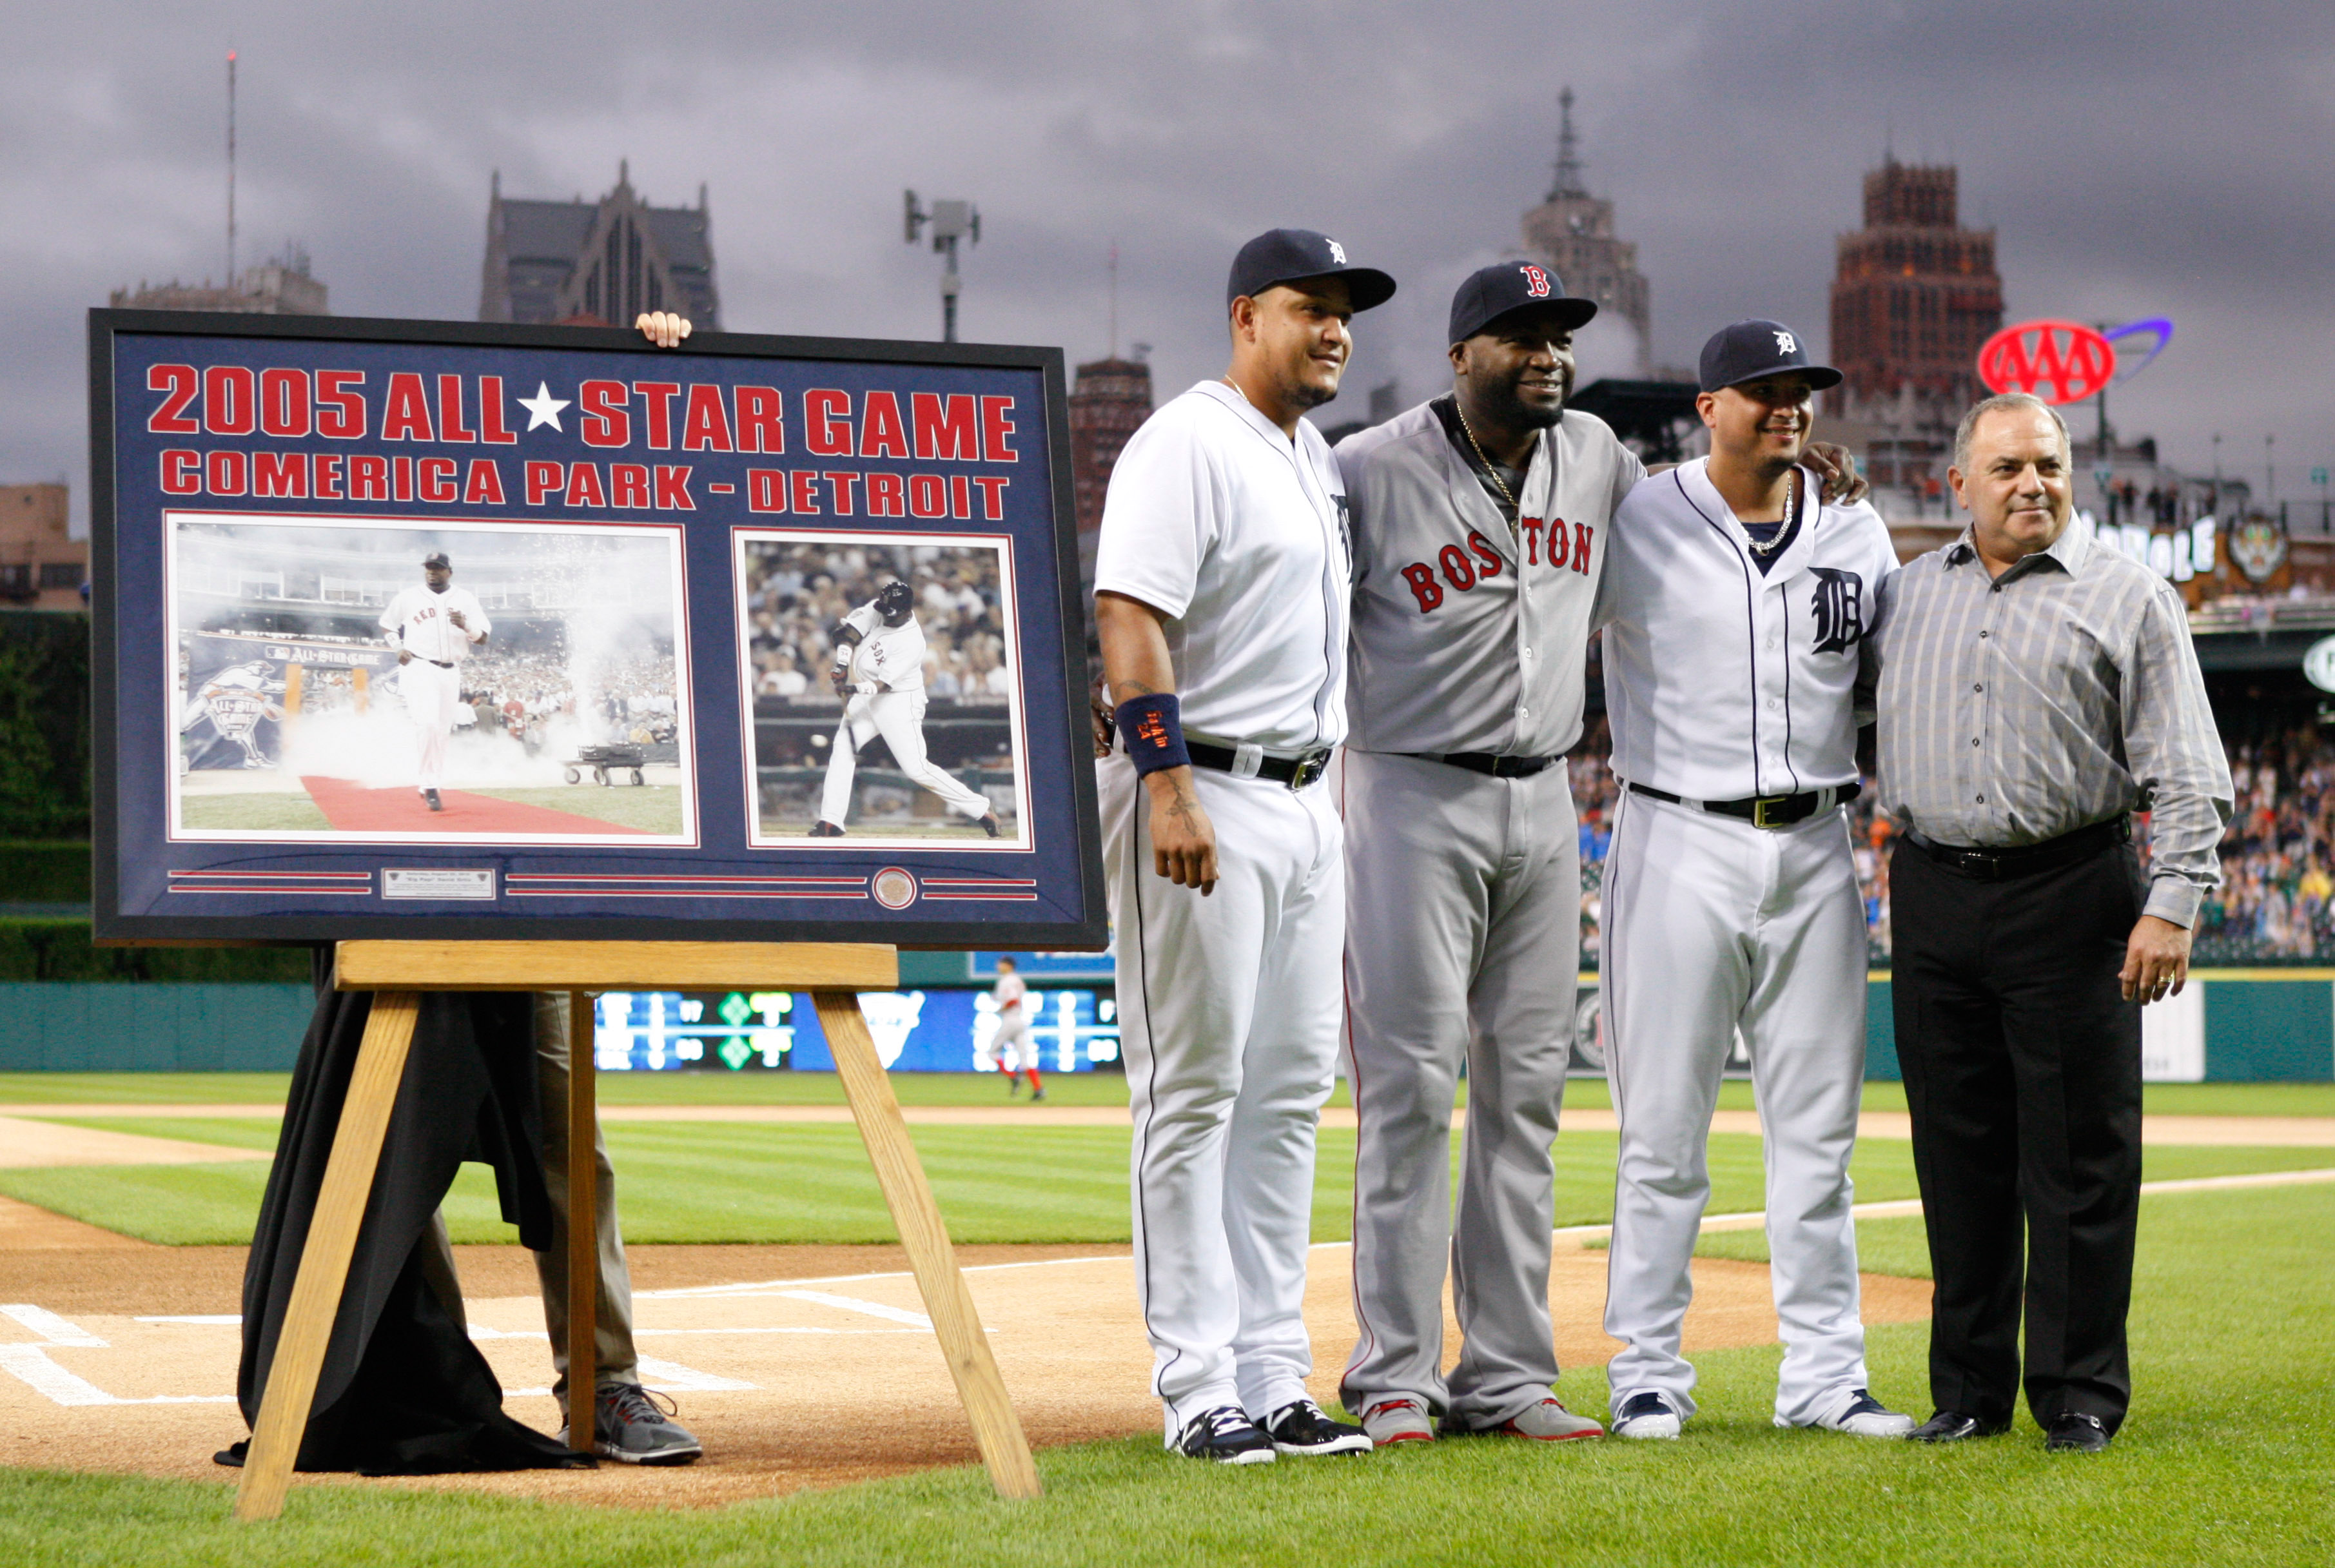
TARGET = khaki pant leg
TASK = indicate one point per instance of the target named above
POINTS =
(612, 1317)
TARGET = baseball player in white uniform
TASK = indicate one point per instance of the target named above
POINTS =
(1480, 527)
(879, 673)
(1222, 577)
(434, 627)
(1012, 1032)
(1738, 609)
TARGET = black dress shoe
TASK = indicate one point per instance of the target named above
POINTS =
(1954, 1426)
(2073, 1432)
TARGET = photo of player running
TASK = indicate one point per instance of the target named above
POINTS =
(879, 673)
(412, 681)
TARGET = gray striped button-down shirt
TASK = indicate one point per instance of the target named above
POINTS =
(2063, 693)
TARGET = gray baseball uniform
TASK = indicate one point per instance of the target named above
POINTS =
(1463, 922)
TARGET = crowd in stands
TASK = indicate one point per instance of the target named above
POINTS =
(797, 593)
(628, 699)
(2277, 897)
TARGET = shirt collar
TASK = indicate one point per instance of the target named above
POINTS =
(2071, 549)
(1233, 398)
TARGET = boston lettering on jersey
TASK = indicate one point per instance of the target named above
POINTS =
(1566, 546)
(228, 408)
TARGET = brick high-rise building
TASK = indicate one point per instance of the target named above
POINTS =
(1111, 399)
(42, 567)
(600, 263)
(1913, 297)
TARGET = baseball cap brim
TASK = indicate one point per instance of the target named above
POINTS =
(1367, 288)
(1818, 376)
(1571, 313)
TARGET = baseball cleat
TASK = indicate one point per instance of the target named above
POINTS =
(1549, 1422)
(1303, 1431)
(1036, 1094)
(431, 796)
(1227, 1435)
(1863, 1416)
(630, 1426)
(1647, 1414)
(1402, 1419)
(823, 828)
(989, 824)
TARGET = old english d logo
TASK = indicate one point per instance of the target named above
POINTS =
(1839, 609)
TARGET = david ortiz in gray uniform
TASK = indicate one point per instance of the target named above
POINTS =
(1479, 522)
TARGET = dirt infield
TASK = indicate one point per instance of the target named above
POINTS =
(797, 1365)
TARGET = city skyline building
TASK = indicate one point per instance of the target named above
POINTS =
(281, 285)
(1915, 294)
(1108, 402)
(597, 263)
(1572, 233)
(42, 566)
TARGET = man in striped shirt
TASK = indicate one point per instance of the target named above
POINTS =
(2036, 690)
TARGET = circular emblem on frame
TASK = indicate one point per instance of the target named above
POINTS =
(894, 889)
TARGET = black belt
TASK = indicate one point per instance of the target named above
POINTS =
(1297, 772)
(1766, 810)
(1485, 763)
(442, 663)
(2026, 860)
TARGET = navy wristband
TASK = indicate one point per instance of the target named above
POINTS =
(1151, 728)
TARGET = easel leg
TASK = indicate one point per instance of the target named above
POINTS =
(291, 1386)
(947, 1301)
(583, 1225)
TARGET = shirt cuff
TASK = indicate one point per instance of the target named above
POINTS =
(2174, 897)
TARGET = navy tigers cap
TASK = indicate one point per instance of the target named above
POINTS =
(1291, 256)
(1751, 349)
(1491, 291)
(437, 558)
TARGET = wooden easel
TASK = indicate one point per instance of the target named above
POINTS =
(395, 972)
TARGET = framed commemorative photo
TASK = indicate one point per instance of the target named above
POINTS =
(433, 628)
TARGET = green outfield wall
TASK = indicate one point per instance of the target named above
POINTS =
(2236, 1026)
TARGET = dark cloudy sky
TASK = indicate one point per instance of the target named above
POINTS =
(2136, 159)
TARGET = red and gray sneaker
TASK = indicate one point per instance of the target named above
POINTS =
(1402, 1419)
(1549, 1422)
(1303, 1431)
(631, 1426)
(1227, 1435)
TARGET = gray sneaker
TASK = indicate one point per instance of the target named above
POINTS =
(635, 1427)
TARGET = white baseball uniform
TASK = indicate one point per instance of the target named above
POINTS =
(421, 622)
(1724, 683)
(1229, 1003)
(1463, 921)
(1012, 1031)
(887, 670)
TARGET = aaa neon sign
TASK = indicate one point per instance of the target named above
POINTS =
(2063, 362)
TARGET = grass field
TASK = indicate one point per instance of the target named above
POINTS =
(984, 1089)
(709, 1182)
(2224, 1461)
(652, 808)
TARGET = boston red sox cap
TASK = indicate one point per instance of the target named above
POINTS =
(1292, 255)
(1751, 349)
(1491, 291)
(437, 558)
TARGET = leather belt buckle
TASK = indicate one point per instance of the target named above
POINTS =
(1308, 769)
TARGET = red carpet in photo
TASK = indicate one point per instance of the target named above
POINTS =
(351, 808)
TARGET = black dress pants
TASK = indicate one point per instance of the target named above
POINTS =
(2022, 1071)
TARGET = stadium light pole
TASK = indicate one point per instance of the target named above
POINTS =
(950, 221)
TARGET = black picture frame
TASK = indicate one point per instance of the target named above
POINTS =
(1059, 902)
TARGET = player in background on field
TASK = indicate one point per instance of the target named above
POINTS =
(434, 628)
(879, 673)
(1739, 611)
(1012, 1031)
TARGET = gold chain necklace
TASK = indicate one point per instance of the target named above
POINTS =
(1505, 494)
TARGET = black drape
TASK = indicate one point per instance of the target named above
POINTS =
(403, 1391)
